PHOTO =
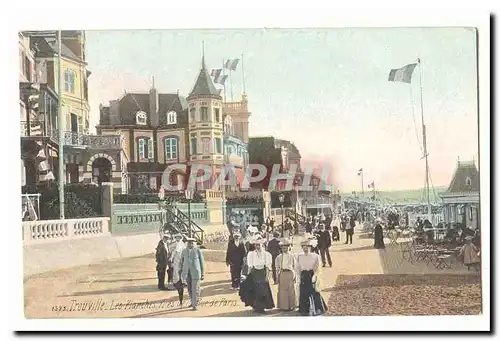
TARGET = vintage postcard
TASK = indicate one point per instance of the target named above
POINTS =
(309, 172)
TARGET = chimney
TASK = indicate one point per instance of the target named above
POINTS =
(153, 107)
(114, 112)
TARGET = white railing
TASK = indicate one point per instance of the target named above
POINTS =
(46, 231)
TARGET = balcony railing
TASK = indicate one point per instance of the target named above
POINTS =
(38, 129)
(93, 141)
(235, 106)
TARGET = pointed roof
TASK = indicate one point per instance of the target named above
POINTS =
(466, 178)
(204, 85)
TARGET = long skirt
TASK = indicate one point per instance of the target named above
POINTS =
(256, 292)
(310, 301)
(286, 291)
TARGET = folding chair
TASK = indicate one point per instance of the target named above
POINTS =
(441, 262)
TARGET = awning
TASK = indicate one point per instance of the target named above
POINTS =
(23, 174)
(43, 166)
(47, 177)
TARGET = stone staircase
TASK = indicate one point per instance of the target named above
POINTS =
(176, 221)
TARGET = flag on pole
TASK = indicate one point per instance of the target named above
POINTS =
(402, 75)
(220, 80)
(360, 171)
(371, 185)
(231, 64)
(215, 73)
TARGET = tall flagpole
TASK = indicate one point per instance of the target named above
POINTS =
(224, 85)
(243, 74)
(362, 184)
(61, 127)
(424, 138)
(231, 81)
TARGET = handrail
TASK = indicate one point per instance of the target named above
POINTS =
(179, 221)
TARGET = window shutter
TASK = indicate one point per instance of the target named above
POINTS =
(150, 149)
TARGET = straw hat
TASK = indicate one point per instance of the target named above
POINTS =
(190, 239)
(253, 229)
(285, 242)
(305, 243)
(177, 235)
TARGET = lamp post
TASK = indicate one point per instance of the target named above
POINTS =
(189, 196)
(282, 199)
(296, 224)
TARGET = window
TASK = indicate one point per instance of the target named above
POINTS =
(192, 114)
(217, 114)
(171, 148)
(228, 125)
(141, 146)
(194, 141)
(141, 118)
(204, 114)
(171, 117)
(69, 81)
(218, 145)
(145, 148)
(468, 182)
(205, 142)
(150, 149)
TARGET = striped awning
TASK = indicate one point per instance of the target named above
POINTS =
(23, 174)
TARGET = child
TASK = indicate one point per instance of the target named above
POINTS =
(470, 254)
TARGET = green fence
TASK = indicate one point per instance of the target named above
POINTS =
(147, 218)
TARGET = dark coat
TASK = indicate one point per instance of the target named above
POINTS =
(162, 257)
(235, 254)
(274, 248)
(324, 239)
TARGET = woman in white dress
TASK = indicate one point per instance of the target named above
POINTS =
(310, 301)
(255, 290)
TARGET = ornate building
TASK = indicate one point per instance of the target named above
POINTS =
(461, 199)
(206, 125)
(154, 131)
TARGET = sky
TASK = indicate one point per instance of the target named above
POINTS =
(326, 90)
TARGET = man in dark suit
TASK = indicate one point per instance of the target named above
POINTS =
(324, 243)
(235, 256)
(162, 260)
(274, 248)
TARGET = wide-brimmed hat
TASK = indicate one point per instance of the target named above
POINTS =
(305, 243)
(253, 229)
(177, 235)
(190, 239)
(285, 242)
(257, 240)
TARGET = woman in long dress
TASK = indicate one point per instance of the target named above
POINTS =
(176, 266)
(378, 235)
(470, 254)
(255, 290)
(310, 301)
(286, 265)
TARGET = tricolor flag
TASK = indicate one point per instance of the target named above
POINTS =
(402, 75)
(231, 64)
(360, 171)
(220, 80)
(215, 73)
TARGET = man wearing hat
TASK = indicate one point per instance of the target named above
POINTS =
(193, 270)
(162, 259)
(235, 256)
(274, 248)
(285, 268)
(255, 290)
(175, 261)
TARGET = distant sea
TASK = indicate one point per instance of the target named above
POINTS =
(410, 196)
